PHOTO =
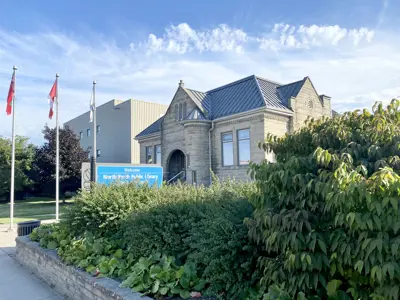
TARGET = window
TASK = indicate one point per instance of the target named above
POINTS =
(98, 129)
(184, 110)
(227, 149)
(88, 132)
(158, 155)
(180, 112)
(98, 152)
(243, 136)
(81, 135)
(194, 177)
(176, 112)
(149, 155)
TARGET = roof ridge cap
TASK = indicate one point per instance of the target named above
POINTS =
(230, 84)
(259, 90)
(271, 81)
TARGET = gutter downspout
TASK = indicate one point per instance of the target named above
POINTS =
(209, 149)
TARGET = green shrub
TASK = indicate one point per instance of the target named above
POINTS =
(204, 226)
(327, 214)
(100, 210)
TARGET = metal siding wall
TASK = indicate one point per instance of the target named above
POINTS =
(143, 115)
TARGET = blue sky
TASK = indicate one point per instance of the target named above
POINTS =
(141, 49)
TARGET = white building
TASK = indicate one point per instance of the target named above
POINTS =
(118, 122)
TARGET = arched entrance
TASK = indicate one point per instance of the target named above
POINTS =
(176, 166)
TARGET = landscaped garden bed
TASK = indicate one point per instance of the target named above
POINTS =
(322, 222)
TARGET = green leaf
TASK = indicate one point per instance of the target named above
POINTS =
(309, 259)
(52, 245)
(184, 294)
(164, 290)
(359, 266)
(395, 203)
(322, 245)
(184, 282)
(332, 287)
(156, 286)
(118, 253)
(139, 288)
(180, 272)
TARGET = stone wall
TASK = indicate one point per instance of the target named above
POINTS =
(254, 122)
(66, 280)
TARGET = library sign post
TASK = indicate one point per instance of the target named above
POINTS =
(108, 173)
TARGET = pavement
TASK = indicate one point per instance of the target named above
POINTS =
(17, 282)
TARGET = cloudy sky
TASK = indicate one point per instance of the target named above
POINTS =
(141, 49)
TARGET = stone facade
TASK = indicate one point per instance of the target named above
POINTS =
(66, 280)
(193, 139)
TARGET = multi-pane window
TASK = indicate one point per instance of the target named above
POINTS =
(180, 112)
(98, 153)
(184, 110)
(98, 129)
(81, 135)
(243, 136)
(158, 154)
(88, 132)
(227, 149)
(149, 155)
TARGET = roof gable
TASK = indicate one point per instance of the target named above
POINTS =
(290, 90)
(152, 129)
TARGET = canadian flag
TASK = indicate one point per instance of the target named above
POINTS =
(52, 96)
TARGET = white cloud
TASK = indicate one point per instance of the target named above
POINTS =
(286, 36)
(182, 39)
(355, 66)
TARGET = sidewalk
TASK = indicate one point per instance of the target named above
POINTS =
(16, 282)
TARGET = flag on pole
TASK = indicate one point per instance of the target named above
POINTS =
(11, 93)
(52, 96)
(92, 107)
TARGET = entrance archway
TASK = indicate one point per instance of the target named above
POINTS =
(176, 166)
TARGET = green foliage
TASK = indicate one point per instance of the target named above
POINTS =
(24, 153)
(326, 213)
(204, 226)
(71, 158)
(101, 210)
(159, 275)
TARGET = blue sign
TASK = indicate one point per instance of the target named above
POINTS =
(123, 174)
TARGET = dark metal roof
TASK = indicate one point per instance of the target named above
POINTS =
(195, 114)
(240, 96)
(202, 100)
(236, 97)
(290, 90)
(153, 128)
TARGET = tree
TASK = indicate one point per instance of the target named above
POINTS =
(71, 158)
(327, 213)
(24, 153)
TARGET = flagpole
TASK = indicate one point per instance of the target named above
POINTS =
(94, 132)
(12, 157)
(57, 154)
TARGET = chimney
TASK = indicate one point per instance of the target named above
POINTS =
(181, 84)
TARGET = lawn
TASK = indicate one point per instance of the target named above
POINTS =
(32, 209)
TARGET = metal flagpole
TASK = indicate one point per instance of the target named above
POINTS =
(57, 154)
(12, 157)
(94, 132)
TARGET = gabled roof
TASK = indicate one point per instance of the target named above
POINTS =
(246, 94)
(153, 128)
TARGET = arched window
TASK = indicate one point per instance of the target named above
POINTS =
(176, 112)
(184, 110)
(180, 112)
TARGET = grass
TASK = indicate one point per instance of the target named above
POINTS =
(32, 209)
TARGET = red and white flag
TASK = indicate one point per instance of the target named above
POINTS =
(11, 94)
(52, 96)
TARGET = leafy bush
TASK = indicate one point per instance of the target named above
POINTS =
(204, 226)
(160, 275)
(327, 213)
(100, 210)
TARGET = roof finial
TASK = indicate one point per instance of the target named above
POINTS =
(181, 84)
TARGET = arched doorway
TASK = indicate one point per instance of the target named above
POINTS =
(176, 166)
